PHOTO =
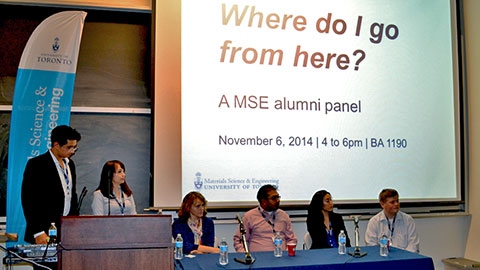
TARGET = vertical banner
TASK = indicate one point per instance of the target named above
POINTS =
(42, 100)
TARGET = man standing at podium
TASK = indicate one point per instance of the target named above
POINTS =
(49, 185)
(395, 224)
(263, 222)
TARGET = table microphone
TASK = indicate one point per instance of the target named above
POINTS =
(248, 258)
(356, 253)
(240, 221)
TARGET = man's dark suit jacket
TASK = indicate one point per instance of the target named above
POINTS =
(43, 197)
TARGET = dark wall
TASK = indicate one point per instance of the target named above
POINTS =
(108, 137)
(113, 71)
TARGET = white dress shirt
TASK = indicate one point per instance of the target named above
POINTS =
(100, 205)
(66, 178)
(402, 232)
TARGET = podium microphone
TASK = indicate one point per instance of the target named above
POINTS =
(248, 258)
(356, 253)
(81, 197)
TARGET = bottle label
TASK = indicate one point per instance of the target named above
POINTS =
(52, 232)
(223, 248)
(179, 244)
(278, 242)
(342, 240)
(384, 241)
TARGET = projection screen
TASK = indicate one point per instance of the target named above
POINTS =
(349, 96)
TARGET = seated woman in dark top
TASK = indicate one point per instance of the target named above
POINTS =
(323, 224)
(197, 230)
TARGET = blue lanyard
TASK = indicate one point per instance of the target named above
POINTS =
(65, 173)
(330, 237)
(391, 228)
(266, 219)
(121, 205)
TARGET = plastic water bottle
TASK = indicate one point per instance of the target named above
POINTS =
(342, 243)
(179, 247)
(223, 259)
(277, 241)
(384, 245)
(52, 233)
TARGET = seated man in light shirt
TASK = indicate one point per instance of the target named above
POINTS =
(262, 223)
(395, 224)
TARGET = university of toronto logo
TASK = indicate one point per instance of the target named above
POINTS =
(198, 181)
(56, 46)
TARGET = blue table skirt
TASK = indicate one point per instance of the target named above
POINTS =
(327, 259)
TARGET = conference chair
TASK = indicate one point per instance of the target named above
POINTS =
(307, 241)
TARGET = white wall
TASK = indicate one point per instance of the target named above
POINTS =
(472, 42)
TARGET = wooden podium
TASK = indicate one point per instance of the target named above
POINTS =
(116, 242)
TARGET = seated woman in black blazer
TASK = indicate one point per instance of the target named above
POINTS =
(322, 223)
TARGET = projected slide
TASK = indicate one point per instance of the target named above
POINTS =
(349, 96)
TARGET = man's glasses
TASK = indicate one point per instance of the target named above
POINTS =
(71, 148)
(274, 198)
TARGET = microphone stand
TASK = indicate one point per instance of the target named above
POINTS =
(46, 250)
(50, 241)
(357, 253)
(248, 257)
(80, 199)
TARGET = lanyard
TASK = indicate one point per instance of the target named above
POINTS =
(65, 171)
(329, 225)
(121, 205)
(65, 175)
(330, 237)
(267, 220)
(391, 228)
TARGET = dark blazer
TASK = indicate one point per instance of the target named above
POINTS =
(43, 197)
(208, 236)
(317, 229)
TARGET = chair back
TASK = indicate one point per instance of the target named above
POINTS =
(307, 241)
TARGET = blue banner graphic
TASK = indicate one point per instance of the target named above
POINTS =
(42, 100)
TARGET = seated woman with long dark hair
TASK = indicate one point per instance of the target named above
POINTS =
(113, 196)
(323, 224)
(197, 230)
